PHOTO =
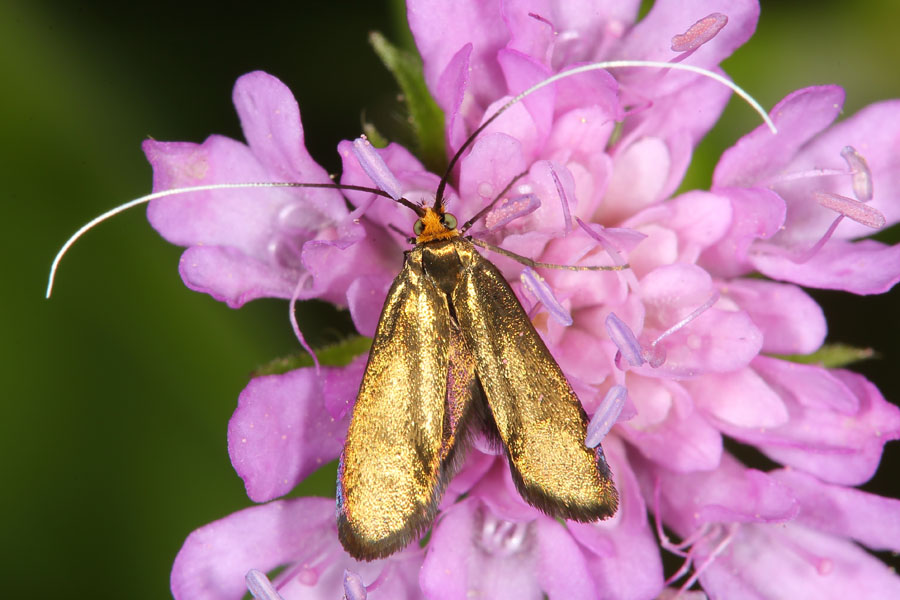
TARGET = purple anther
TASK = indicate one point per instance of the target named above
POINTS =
(535, 285)
(852, 209)
(624, 339)
(699, 33)
(260, 587)
(606, 415)
(510, 209)
(354, 589)
(376, 168)
(561, 192)
(862, 176)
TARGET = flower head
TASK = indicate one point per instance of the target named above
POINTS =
(594, 161)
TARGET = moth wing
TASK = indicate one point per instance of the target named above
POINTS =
(537, 415)
(389, 479)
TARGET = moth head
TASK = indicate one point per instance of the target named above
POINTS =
(435, 225)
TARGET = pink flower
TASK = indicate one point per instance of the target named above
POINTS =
(682, 330)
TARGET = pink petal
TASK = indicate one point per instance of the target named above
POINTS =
(440, 31)
(731, 493)
(875, 133)
(589, 25)
(651, 38)
(562, 570)
(866, 267)
(365, 300)
(756, 214)
(699, 218)
(760, 154)
(717, 340)
(451, 94)
(232, 277)
(461, 563)
(834, 446)
(212, 217)
(281, 432)
(791, 321)
(741, 398)
(792, 561)
(639, 177)
(846, 512)
(683, 441)
(214, 559)
(270, 120)
(808, 385)
(486, 170)
(622, 551)
(522, 72)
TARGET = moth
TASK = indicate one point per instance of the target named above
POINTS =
(455, 353)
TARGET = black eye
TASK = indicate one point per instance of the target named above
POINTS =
(449, 221)
(418, 227)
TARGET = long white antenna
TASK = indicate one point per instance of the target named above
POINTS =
(136, 202)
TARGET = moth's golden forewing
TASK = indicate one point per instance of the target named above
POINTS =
(389, 479)
(540, 420)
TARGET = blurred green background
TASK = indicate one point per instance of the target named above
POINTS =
(118, 390)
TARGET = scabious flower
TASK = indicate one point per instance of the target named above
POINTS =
(682, 330)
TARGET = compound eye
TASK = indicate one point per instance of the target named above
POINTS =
(449, 221)
(418, 227)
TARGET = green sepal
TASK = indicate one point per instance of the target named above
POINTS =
(425, 116)
(373, 135)
(337, 355)
(831, 356)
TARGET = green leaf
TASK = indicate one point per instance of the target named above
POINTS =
(337, 355)
(831, 356)
(426, 117)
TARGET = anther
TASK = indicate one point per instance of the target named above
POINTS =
(260, 587)
(567, 215)
(862, 176)
(606, 415)
(852, 209)
(537, 287)
(510, 209)
(354, 588)
(699, 33)
(375, 168)
(625, 340)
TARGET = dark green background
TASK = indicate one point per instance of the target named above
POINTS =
(116, 393)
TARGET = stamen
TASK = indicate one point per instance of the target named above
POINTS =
(260, 587)
(501, 537)
(567, 215)
(354, 589)
(292, 315)
(625, 340)
(510, 209)
(372, 163)
(606, 237)
(654, 354)
(852, 209)
(731, 532)
(696, 313)
(862, 176)
(537, 287)
(606, 415)
(699, 33)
